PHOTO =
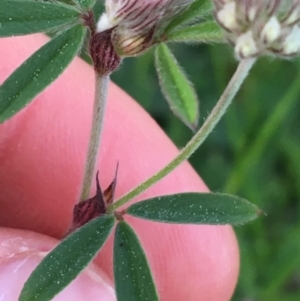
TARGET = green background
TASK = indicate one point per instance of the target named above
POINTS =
(254, 152)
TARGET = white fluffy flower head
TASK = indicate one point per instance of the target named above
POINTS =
(259, 27)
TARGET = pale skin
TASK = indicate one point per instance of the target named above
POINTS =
(42, 153)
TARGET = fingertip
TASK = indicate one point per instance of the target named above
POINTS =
(42, 155)
(43, 147)
(22, 251)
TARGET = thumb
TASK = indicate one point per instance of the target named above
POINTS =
(21, 251)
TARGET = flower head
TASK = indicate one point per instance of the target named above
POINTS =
(130, 27)
(259, 27)
(135, 23)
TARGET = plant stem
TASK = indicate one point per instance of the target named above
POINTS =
(209, 124)
(101, 87)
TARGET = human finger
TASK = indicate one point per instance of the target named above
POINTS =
(20, 253)
(42, 157)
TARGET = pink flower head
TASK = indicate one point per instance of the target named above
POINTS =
(136, 23)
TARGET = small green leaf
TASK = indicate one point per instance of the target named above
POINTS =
(21, 17)
(177, 89)
(206, 32)
(39, 71)
(198, 9)
(196, 208)
(85, 4)
(133, 279)
(64, 263)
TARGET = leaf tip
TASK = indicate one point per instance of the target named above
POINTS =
(260, 212)
(194, 126)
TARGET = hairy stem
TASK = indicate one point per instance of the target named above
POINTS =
(209, 124)
(101, 88)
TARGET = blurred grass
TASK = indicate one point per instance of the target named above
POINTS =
(254, 152)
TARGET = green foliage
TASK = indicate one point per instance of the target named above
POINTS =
(198, 9)
(196, 208)
(205, 32)
(178, 91)
(133, 279)
(85, 4)
(263, 138)
(21, 17)
(39, 71)
(63, 264)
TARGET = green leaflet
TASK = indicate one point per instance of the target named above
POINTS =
(204, 32)
(21, 17)
(85, 4)
(175, 86)
(39, 71)
(196, 208)
(133, 279)
(198, 9)
(64, 263)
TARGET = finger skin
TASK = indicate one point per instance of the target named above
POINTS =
(21, 251)
(42, 153)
